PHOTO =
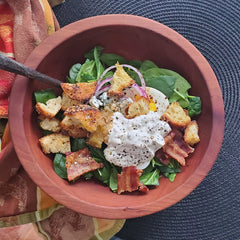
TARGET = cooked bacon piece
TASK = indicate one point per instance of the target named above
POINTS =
(80, 162)
(176, 147)
(79, 91)
(143, 188)
(162, 157)
(128, 180)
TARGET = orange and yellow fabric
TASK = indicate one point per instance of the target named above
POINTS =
(26, 212)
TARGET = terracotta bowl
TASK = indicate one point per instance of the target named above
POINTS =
(134, 38)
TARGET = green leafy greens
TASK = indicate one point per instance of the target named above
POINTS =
(59, 165)
(42, 96)
(169, 82)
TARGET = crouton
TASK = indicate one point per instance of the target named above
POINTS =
(120, 81)
(140, 106)
(51, 108)
(82, 91)
(68, 102)
(54, 143)
(86, 115)
(191, 133)
(104, 124)
(176, 115)
(50, 124)
(70, 126)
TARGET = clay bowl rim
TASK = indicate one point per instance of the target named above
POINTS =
(206, 163)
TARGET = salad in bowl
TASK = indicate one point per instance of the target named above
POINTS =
(124, 123)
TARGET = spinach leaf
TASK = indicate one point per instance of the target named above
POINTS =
(180, 88)
(181, 98)
(181, 84)
(169, 171)
(111, 59)
(172, 176)
(96, 153)
(146, 65)
(195, 106)
(103, 174)
(166, 170)
(88, 175)
(45, 132)
(77, 144)
(135, 63)
(163, 83)
(44, 95)
(69, 80)
(175, 165)
(73, 72)
(133, 75)
(113, 183)
(59, 165)
(90, 54)
(99, 66)
(108, 75)
(150, 178)
(148, 169)
(87, 71)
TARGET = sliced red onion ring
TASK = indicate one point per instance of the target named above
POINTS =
(100, 85)
(140, 90)
(102, 90)
(105, 72)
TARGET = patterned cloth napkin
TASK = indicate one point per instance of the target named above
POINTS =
(26, 212)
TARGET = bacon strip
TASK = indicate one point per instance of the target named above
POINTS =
(175, 146)
(80, 162)
(128, 180)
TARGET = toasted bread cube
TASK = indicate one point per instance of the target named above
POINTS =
(86, 115)
(96, 138)
(50, 124)
(140, 106)
(51, 108)
(120, 81)
(68, 102)
(176, 115)
(191, 133)
(82, 91)
(55, 142)
(70, 126)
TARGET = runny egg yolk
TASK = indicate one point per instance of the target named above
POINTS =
(152, 105)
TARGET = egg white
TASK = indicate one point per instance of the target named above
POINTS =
(160, 100)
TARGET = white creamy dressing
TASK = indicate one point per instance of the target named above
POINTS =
(133, 142)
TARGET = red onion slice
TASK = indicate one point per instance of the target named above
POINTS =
(102, 90)
(100, 85)
(105, 72)
(140, 90)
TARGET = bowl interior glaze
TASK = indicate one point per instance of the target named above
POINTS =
(134, 38)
